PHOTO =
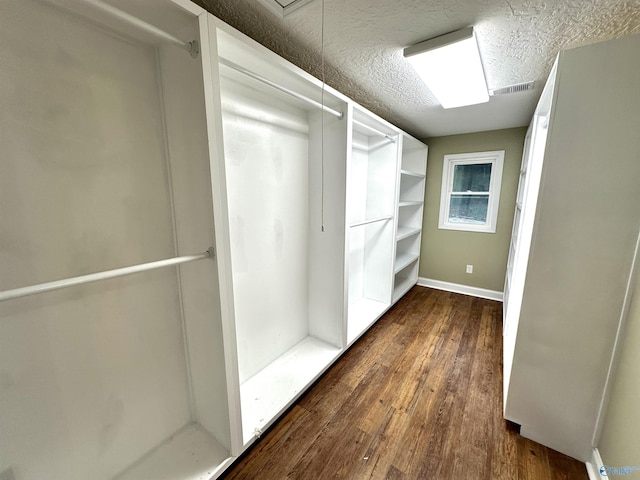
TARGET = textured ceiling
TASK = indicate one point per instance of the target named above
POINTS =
(362, 41)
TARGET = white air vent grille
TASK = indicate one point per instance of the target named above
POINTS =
(518, 87)
(283, 7)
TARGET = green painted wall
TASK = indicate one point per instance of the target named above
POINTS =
(445, 254)
(620, 444)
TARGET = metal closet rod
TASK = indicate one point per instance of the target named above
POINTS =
(192, 47)
(94, 277)
(367, 222)
(375, 130)
(266, 81)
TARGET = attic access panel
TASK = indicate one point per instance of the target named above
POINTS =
(283, 7)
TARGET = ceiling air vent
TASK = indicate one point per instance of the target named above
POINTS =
(518, 87)
(283, 7)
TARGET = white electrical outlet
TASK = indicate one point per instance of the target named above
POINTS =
(469, 268)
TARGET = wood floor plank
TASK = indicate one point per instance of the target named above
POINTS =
(504, 465)
(418, 396)
(383, 445)
(394, 474)
(339, 441)
(563, 467)
(533, 463)
(469, 462)
(315, 400)
(428, 416)
(286, 436)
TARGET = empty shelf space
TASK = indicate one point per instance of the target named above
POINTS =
(402, 286)
(412, 174)
(265, 395)
(404, 260)
(404, 280)
(414, 155)
(409, 203)
(190, 454)
(411, 189)
(404, 232)
(362, 314)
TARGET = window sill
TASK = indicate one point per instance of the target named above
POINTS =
(466, 227)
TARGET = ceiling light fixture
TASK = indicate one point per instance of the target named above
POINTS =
(451, 67)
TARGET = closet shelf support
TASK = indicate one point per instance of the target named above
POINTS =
(94, 277)
(286, 90)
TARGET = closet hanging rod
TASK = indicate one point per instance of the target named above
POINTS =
(192, 47)
(266, 81)
(374, 130)
(367, 222)
(94, 277)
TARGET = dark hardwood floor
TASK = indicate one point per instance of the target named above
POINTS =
(418, 397)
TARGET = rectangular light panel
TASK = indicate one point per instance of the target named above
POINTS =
(451, 67)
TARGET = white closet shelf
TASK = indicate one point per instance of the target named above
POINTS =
(405, 232)
(412, 174)
(362, 313)
(190, 454)
(408, 203)
(404, 260)
(367, 222)
(270, 391)
(402, 285)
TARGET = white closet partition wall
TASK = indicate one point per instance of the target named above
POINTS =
(105, 164)
(285, 225)
(575, 246)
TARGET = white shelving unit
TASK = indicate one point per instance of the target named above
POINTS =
(280, 237)
(150, 130)
(520, 244)
(106, 165)
(569, 276)
(411, 183)
(370, 213)
(264, 394)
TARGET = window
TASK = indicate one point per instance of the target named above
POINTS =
(471, 191)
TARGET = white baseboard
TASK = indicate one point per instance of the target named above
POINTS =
(464, 289)
(594, 465)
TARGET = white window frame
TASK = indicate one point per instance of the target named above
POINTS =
(496, 158)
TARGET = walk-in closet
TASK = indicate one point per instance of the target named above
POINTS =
(193, 230)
